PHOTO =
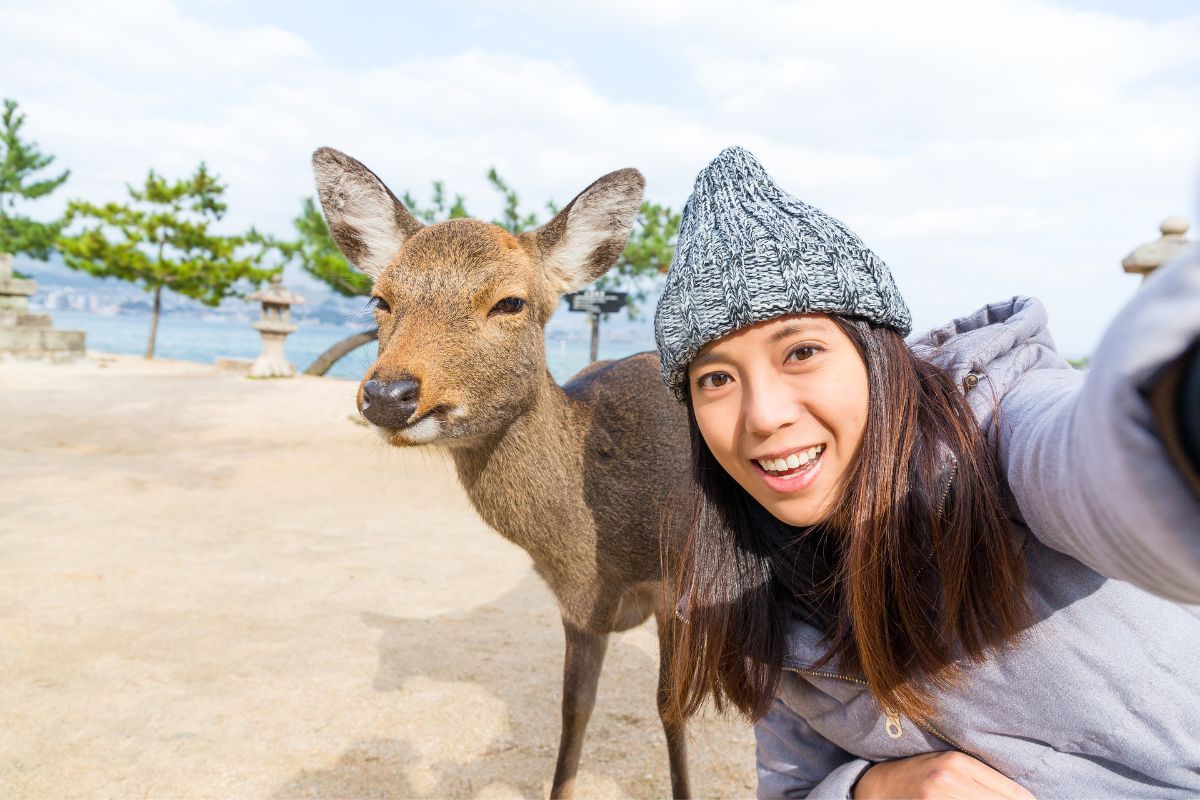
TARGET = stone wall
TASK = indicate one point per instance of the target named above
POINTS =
(27, 335)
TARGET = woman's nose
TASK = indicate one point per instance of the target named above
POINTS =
(766, 409)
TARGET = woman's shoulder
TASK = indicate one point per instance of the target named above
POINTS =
(988, 351)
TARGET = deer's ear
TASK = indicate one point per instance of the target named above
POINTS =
(586, 238)
(365, 219)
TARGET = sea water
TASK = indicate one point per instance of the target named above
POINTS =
(203, 340)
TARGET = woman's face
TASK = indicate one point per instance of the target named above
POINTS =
(782, 405)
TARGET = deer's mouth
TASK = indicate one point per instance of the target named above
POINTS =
(423, 429)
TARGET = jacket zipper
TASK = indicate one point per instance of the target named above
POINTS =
(894, 728)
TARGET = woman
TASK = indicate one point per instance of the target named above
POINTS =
(950, 568)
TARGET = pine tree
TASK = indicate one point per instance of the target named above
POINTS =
(161, 240)
(19, 160)
(647, 255)
(317, 254)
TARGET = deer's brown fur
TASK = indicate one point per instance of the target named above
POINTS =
(579, 475)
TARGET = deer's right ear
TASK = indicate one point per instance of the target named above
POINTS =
(365, 219)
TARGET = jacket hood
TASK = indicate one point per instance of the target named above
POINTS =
(997, 344)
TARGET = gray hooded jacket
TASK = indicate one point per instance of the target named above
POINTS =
(1101, 696)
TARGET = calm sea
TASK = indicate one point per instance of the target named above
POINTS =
(203, 340)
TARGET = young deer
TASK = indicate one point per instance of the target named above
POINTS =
(577, 475)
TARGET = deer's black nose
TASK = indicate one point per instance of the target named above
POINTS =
(389, 404)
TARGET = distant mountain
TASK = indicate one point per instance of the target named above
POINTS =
(54, 273)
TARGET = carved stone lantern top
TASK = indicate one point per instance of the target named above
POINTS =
(276, 293)
(1150, 256)
(277, 301)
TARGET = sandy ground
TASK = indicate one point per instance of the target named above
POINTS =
(218, 587)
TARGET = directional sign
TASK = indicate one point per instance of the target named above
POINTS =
(596, 302)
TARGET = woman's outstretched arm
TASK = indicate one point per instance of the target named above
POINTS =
(1091, 464)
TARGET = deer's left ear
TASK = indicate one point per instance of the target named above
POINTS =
(586, 238)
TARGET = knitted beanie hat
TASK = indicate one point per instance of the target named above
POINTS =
(749, 252)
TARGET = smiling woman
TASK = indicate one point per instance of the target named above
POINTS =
(943, 567)
(827, 422)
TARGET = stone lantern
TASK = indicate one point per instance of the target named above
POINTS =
(275, 325)
(1152, 255)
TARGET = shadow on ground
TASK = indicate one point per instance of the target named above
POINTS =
(519, 664)
(370, 769)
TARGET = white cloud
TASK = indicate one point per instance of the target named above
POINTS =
(982, 149)
(992, 220)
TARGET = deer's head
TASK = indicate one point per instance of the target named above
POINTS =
(462, 305)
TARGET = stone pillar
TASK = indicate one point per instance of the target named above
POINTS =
(1152, 255)
(26, 335)
(275, 325)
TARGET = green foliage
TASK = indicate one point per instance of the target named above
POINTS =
(511, 218)
(161, 239)
(317, 254)
(18, 161)
(438, 209)
(648, 254)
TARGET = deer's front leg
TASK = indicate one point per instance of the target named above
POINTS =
(581, 673)
(676, 732)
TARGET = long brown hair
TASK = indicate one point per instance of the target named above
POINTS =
(915, 567)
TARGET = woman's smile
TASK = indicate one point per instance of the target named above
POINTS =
(793, 471)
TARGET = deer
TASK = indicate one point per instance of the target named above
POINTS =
(581, 476)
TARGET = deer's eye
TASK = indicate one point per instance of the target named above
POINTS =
(379, 303)
(509, 305)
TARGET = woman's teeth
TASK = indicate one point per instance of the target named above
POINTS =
(800, 458)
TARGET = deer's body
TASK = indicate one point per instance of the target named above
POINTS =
(584, 477)
(578, 481)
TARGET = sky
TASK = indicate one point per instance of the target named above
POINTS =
(981, 149)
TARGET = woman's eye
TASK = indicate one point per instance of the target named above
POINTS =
(802, 353)
(509, 305)
(713, 380)
(379, 303)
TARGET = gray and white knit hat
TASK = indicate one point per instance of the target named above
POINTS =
(748, 252)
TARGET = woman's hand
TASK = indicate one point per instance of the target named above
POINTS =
(937, 775)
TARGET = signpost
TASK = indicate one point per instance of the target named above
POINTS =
(595, 302)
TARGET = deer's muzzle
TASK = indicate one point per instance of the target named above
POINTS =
(390, 404)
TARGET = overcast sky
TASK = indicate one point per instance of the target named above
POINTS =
(982, 149)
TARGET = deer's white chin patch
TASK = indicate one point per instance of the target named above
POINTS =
(424, 431)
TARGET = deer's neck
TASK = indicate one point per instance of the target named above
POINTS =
(527, 480)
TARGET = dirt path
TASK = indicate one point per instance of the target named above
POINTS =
(217, 587)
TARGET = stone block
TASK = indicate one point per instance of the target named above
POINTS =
(15, 319)
(42, 343)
